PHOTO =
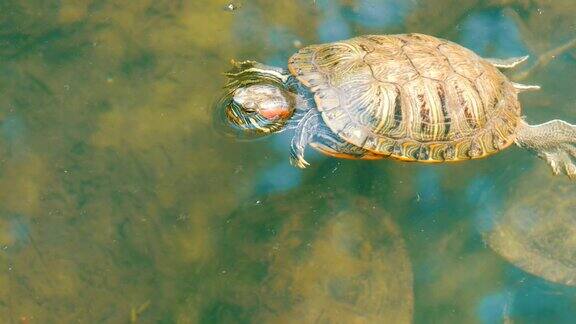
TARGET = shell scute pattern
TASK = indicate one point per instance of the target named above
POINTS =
(427, 62)
(468, 106)
(411, 97)
(396, 69)
(459, 60)
(377, 106)
(388, 46)
(422, 96)
(491, 91)
(346, 58)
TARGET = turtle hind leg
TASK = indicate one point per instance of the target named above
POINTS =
(553, 141)
(507, 63)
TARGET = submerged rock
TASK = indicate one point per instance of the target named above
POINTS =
(537, 230)
(320, 262)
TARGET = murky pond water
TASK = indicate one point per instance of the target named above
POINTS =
(120, 202)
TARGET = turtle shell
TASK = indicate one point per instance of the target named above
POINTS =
(411, 96)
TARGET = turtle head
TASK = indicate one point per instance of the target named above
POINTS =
(257, 101)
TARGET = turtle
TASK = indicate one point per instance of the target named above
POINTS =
(408, 97)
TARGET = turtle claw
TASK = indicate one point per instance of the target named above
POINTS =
(555, 142)
(303, 136)
(562, 161)
(507, 63)
(571, 171)
(298, 161)
(297, 155)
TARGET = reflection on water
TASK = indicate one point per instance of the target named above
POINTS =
(120, 202)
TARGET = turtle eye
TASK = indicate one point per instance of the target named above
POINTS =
(250, 106)
(258, 109)
(245, 100)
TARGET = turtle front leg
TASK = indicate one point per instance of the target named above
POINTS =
(553, 141)
(305, 130)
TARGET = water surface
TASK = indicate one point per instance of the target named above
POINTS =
(120, 202)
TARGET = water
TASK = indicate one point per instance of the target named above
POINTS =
(121, 203)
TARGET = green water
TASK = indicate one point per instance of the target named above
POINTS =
(120, 202)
